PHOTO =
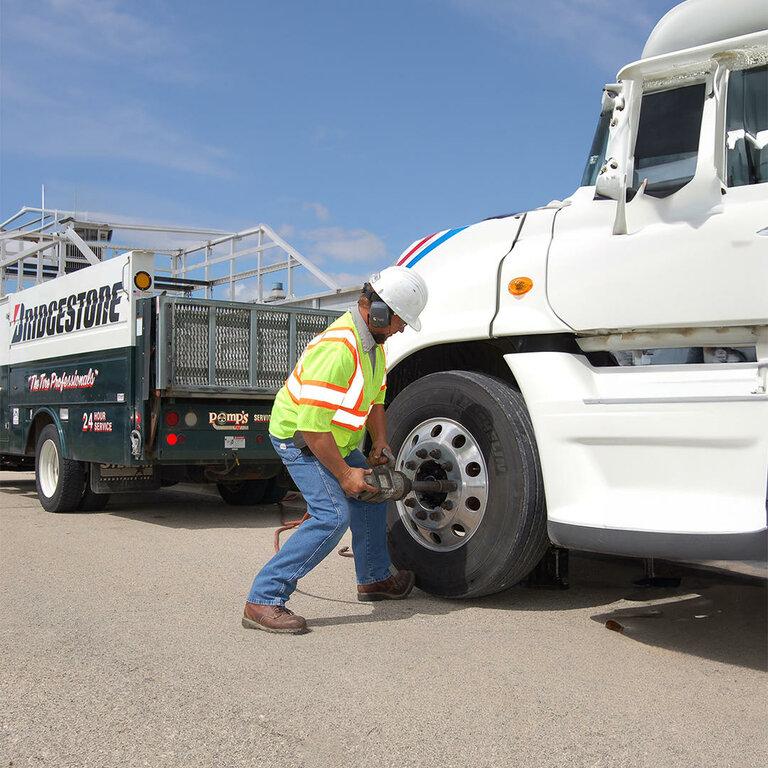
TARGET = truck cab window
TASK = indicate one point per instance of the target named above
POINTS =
(668, 139)
(597, 152)
(747, 127)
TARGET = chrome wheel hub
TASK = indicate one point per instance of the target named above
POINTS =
(442, 449)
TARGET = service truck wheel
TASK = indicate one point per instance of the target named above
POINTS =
(491, 532)
(246, 493)
(59, 481)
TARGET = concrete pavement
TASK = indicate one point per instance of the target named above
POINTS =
(122, 646)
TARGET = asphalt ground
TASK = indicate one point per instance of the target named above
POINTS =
(121, 645)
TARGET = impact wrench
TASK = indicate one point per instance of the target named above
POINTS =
(390, 485)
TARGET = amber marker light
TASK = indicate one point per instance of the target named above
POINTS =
(142, 280)
(519, 286)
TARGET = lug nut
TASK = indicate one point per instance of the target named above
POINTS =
(421, 514)
(436, 515)
(447, 505)
(447, 466)
(421, 453)
(410, 502)
(411, 465)
(435, 453)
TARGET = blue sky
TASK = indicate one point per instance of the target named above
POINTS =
(351, 127)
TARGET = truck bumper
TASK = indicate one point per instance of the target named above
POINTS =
(751, 545)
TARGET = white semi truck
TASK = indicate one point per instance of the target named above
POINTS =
(594, 373)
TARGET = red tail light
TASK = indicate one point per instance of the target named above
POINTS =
(171, 438)
(171, 418)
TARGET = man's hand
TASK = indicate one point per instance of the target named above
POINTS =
(353, 481)
(378, 454)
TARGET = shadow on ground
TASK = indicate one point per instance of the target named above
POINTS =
(21, 486)
(194, 510)
(714, 616)
(176, 507)
(710, 615)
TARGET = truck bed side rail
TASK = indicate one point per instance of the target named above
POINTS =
(211, 346)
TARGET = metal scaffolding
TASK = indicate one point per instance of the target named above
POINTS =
(38, 244)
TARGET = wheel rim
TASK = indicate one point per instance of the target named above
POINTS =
(442, 449)
(49, 468)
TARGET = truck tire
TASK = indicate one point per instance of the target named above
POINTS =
(59, 481)
(491, 532)
(245, 493)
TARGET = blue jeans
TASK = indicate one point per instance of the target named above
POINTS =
(331, 513)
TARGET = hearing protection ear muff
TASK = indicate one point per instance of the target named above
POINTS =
(379, 315)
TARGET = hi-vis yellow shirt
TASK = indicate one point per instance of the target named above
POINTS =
(332, 388)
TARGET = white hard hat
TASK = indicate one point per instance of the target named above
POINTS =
(403, 291)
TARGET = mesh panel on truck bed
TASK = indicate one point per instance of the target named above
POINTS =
(190, 344)
(207, 345)
(272, 353)
(233, 346)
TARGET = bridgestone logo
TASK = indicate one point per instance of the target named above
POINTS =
(98, 306)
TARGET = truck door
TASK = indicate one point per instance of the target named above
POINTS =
(676, 439)
(686, 260)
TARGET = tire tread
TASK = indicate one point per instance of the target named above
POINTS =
(521, 552)
(69, 491)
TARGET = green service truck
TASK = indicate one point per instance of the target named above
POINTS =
(108, 385)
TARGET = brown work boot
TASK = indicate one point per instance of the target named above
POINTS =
(394, 587)
(273, 618)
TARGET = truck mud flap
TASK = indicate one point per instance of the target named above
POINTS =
(113, 478)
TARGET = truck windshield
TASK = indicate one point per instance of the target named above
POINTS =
(597, 153)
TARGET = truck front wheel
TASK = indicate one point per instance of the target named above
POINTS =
(491, 532)
(59, 481)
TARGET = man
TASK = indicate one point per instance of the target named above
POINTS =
(336, 390)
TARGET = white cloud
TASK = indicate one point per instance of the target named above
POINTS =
(321, 211)
(347, 279)
(69, 124)
(611, 32)
(99, 30)
(351, 246)
(247, 291)
(286, 231)
(326, 137)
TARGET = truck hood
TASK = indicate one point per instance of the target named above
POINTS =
(460, 267)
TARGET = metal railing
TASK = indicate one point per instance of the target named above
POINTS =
(38, 244)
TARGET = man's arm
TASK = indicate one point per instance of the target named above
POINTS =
(324, 448)
(377, 426)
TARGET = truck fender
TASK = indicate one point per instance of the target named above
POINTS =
(46, 415)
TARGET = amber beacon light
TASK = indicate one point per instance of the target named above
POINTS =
(519, 286)
(142, 280)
